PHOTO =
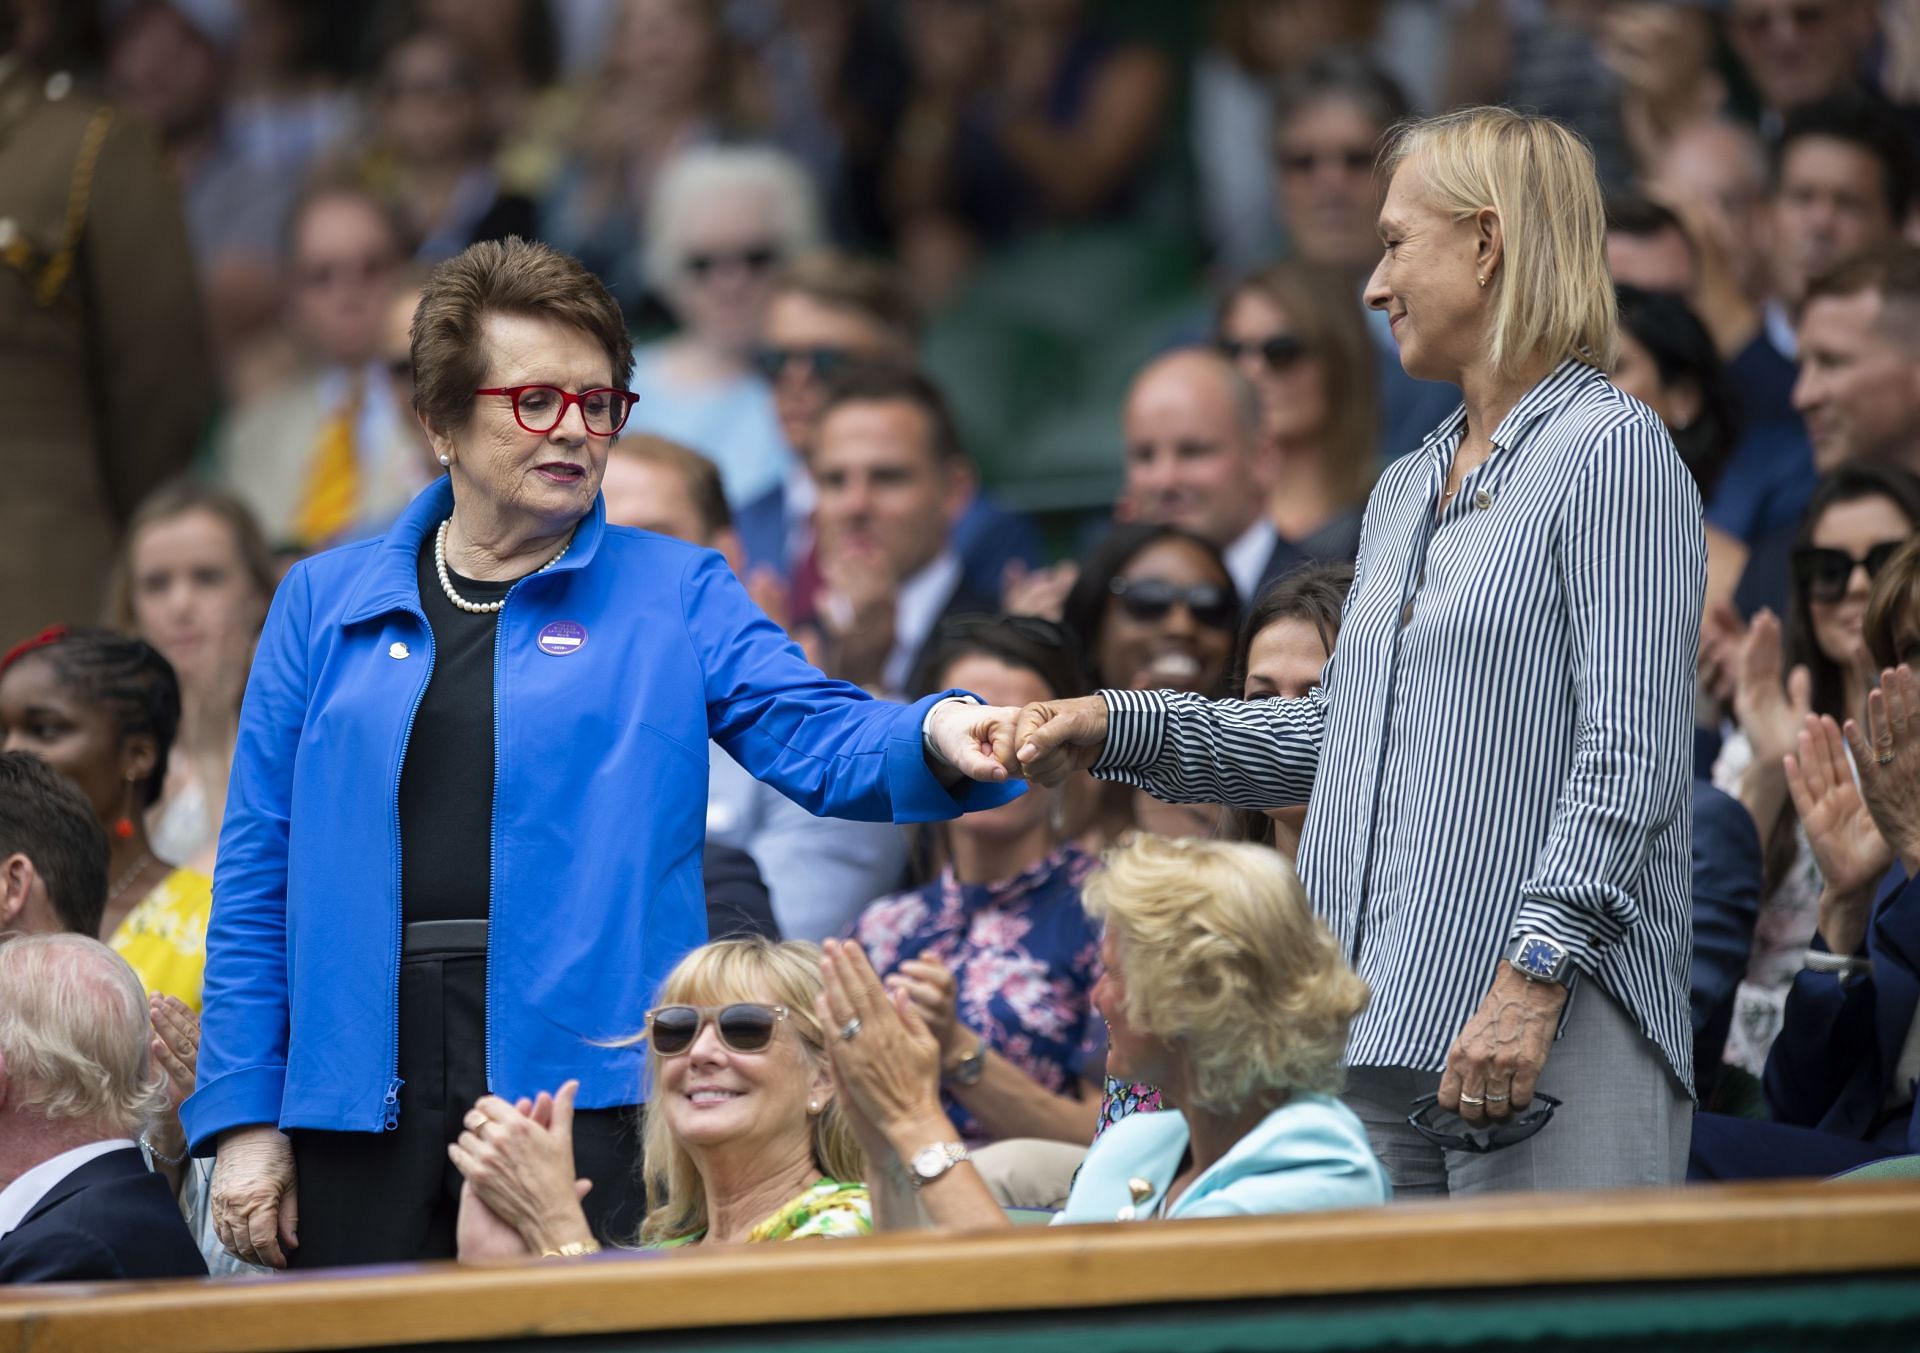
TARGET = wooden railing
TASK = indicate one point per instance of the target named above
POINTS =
(1582, 1242)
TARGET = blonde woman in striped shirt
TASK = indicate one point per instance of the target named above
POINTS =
(1500, 754)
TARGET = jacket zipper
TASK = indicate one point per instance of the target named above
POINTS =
(390, 1102)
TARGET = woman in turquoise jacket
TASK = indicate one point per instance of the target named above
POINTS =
(463, 835)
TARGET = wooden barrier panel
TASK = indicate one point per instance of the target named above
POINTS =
(1858, 1244)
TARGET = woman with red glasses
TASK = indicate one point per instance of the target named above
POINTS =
(463, 829)
(1856, 520)
(745, 1142)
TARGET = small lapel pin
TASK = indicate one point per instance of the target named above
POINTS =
(1140, 1189)
(398, 650)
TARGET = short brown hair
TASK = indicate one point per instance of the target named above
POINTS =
(1893, 270)
(702, 476)
(872, 288)
(888, 385)
(501, 277)
(1895, 592)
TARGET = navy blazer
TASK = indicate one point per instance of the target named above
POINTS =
(1726, 902)
(1837, 1047)
(111, 1218)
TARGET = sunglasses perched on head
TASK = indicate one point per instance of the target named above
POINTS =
(1151, 599)
(744, 1026)
(1824, 574)
(1454, 1133)
(1276, 353)
(703, 263)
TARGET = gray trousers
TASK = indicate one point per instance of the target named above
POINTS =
(1625, 1121)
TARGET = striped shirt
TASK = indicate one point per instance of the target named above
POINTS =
(1501, 743)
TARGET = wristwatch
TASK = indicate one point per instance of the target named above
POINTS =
(969, 1069)
(1539, 959)
(930, 1162)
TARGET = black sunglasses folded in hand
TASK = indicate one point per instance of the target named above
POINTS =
(1454, 1133)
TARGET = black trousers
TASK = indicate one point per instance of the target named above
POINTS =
(393, 1197)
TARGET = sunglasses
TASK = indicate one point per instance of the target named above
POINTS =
(1824, 574)
(824, 363)
(1151, 599)
(1277, 353)
(744, 1026)
(1455, 1133)
(760, 259)
(1301, 162)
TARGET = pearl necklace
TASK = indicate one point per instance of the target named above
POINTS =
(446, 583)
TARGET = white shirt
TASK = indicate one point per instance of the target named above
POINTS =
(922, 599)
(24, 1194)
(1247, 557)
(1780, 330)
(801, 496)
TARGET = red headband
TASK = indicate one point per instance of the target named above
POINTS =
(52, 634)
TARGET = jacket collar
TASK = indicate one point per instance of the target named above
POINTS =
(391, 580)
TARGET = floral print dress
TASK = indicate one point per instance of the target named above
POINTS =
(1024, 958)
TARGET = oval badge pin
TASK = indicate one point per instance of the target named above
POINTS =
(562, 637)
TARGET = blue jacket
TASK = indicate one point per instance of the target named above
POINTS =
(1310, 1153)
(600, 796)
(1726, 903)
(1834, 1059)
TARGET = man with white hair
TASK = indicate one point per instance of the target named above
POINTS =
(77, 1202)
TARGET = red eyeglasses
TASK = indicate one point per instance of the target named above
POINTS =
(539, 408)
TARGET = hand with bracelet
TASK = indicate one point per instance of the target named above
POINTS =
(518, 1163)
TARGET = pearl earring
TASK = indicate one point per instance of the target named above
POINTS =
(813, 1106)
(1483, 283)
(445, 459)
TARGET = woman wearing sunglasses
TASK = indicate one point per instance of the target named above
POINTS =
(1298, 335)
(745, 1140)
(463, 823)
(1218, 985)
(1154, 608)
(1858, 517)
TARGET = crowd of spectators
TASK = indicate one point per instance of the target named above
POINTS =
(1025, 348)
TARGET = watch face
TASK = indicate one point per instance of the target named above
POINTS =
(1539, 957)
(929, 1162)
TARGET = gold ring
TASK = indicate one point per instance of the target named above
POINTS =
(1469, 1099)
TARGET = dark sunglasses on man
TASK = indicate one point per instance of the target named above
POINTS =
(744, 1026)
(1151, 599)
(703, 263)
(824, 363)
(1453, 1133)
(1276, 353)
(1824, 574)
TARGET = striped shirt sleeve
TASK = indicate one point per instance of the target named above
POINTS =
(1184, 748)
(1633, 570)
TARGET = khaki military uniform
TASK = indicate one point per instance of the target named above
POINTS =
(106, 382)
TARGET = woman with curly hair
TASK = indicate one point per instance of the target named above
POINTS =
(1219, 987)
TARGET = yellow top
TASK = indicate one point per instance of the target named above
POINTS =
(165, 935)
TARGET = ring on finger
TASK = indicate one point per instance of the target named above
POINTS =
(1473, 1100)
(849, 1029)
(1492, 1098)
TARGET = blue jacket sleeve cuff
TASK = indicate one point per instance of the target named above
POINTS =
(238, 1099)
(916, 792)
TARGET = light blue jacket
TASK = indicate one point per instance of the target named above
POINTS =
(600, 796)
(1309, 1154)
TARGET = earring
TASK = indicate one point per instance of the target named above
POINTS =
(813, 1106)
(445, 459)
(123, 825)
(1483, 283)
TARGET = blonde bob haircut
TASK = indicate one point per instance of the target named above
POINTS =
(1552, 293)
(748, 969)
(1221, 960)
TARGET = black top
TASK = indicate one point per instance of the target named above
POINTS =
(446, 777)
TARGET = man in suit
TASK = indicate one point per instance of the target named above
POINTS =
(53, 854)
(892, 481)
(77, 1201)
(1196, 458)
